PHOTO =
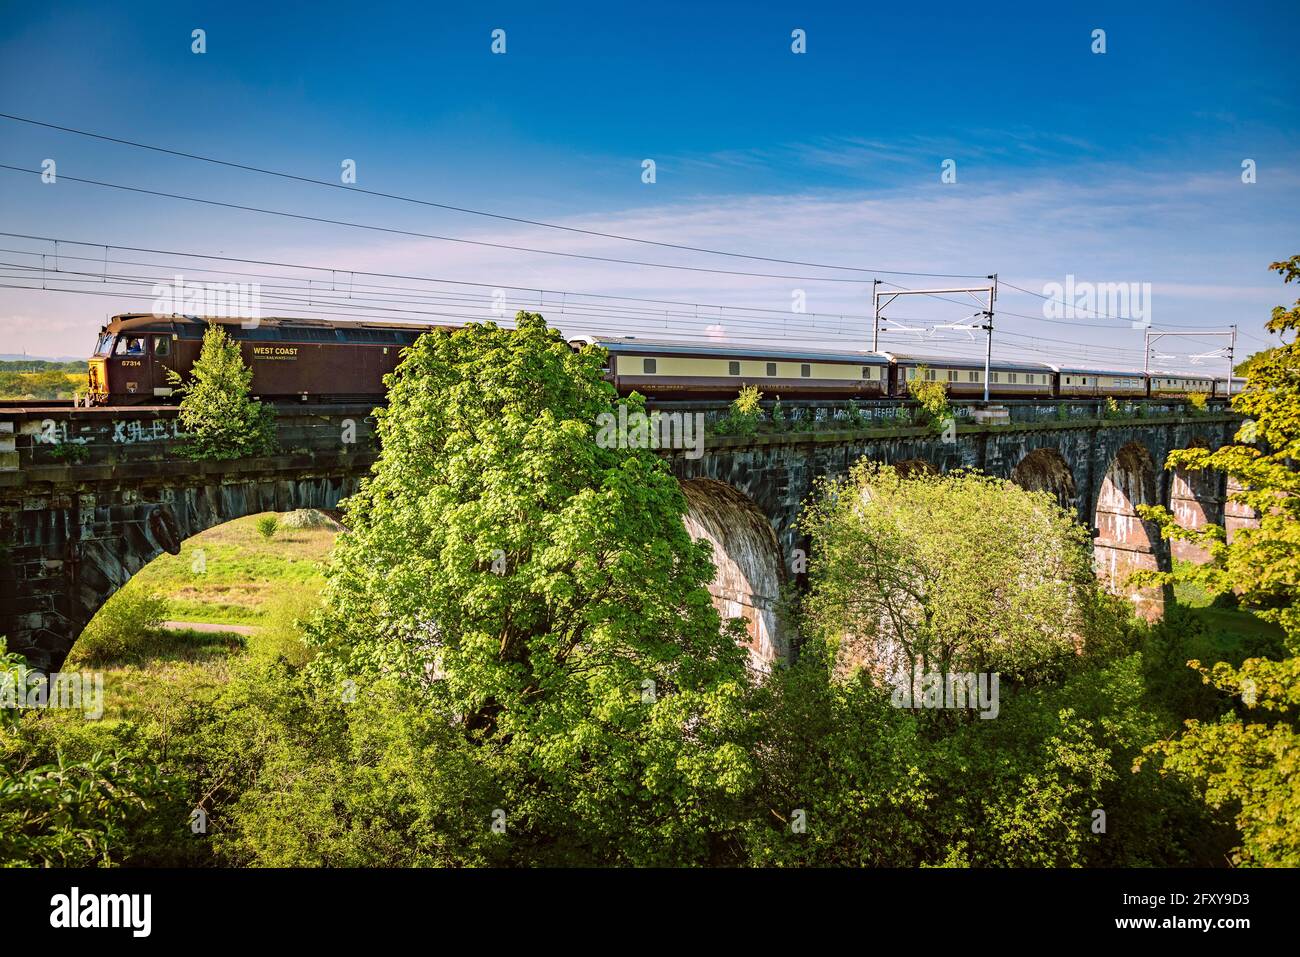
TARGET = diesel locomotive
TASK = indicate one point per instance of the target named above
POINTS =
(292, 359)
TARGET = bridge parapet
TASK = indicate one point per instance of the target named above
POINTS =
(836, 415)
(42, 442)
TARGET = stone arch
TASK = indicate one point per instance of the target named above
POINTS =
(750, 571)
(1236, 515)
(1045, 470)
(99, 541)
(1125, 542)
(1195, 499)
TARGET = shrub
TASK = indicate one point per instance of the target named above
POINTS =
(126, 627)
(744, 415)
(267, 526)
(933, 398)
(777, 415)
(280, 637)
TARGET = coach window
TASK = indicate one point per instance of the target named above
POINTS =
(1012, 378)
(972, 376)
(911, 373)
(866, 372)
(952, 375)
(648, 366)
(805, 370)
(161, 345)
(996, 377)
(771, 368)
(733, 368)
(930, 375)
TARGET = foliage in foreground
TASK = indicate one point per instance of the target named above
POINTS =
(541, 596)
(1251, 762)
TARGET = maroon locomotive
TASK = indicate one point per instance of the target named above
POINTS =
(291, 359)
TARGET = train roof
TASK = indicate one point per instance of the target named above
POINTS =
(132, 321)
(951, 362)
(1086, 370)
(1167, 374)
(634, 345)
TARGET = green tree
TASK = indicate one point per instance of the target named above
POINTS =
(544, 595)
(959, 572)
(1250, 759)
(221, 419)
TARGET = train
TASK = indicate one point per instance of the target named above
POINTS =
(329, 360)
(666, 370)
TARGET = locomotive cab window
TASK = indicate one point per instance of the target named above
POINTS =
(771, 368)
(130, 346)
(648, 366)
(105, 344)
(733, 368)
(162, 345)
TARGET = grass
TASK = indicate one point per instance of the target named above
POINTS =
(243, 572)
(1231, 626)
(247, 579)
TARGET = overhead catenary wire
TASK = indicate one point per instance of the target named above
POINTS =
(353, 188)
(642, 326)
(406, 294)
(434, 236)
(247, 167)
(731, 313)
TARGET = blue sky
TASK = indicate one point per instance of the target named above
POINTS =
(1118, 167)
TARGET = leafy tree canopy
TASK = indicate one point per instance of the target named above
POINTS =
(960, 572)
(544, 593)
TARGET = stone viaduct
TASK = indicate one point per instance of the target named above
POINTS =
(745, 493)
(90, 496)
